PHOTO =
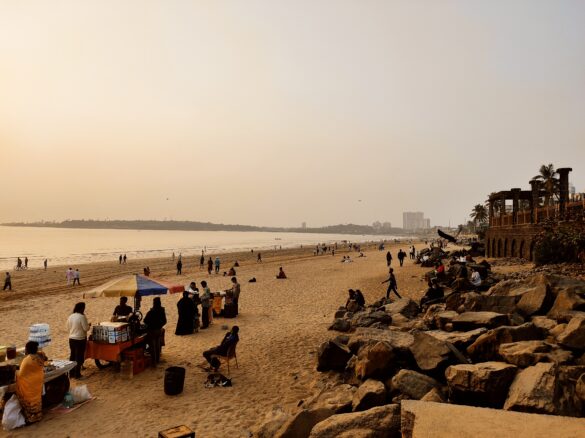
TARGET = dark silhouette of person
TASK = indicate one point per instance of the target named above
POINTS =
(401, 256)
(231, 338)
(155, 320)
(392, 285)
(7, 282)
(186, 322)
(388, 258)
(179, 267)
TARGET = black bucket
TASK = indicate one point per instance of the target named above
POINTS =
(174, 380)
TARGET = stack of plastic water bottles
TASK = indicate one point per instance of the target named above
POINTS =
(40, 333)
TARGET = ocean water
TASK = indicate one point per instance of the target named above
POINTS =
(73, 246)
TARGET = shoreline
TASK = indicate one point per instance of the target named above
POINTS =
(93, 274)
(90, 246)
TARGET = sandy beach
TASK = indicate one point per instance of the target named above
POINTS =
(281, 322)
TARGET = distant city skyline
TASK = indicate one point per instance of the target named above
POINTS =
(277, 113)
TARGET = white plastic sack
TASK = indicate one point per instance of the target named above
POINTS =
(12, 417)
(80, 393)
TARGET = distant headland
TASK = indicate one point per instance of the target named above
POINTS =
(205, 226)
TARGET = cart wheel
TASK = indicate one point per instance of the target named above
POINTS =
(103, 364)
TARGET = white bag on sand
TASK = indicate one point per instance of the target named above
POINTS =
(80, 393)
(12, 417)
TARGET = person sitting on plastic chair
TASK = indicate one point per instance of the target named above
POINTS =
(229, 341)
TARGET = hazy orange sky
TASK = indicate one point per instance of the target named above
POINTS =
(274, 113)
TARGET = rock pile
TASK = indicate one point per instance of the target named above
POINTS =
(519, 346)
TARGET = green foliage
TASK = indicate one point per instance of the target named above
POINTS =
(559, 245)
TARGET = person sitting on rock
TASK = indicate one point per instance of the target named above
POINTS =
(281, 275)
(433, 294)
(359, 298)
(475, 278)
(351, 304)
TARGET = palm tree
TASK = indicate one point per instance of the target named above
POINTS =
(478, 214)
(550, 183)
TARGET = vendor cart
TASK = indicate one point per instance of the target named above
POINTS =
(137, 286)
(106, 355)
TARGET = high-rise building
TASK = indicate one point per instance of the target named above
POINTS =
(415, 221)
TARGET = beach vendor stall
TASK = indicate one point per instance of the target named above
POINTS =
(28, 376)
(112, 342)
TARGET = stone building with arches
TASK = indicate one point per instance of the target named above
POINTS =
(517, 216)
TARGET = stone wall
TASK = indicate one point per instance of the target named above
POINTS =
(511, 241)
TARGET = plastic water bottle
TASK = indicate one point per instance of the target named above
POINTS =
(68, 400)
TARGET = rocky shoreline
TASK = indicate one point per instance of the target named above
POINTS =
(518, 346)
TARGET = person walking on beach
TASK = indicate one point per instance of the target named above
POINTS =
(45, 264)
(201, 261)
(26, 263)
(76, 276)
(7, 282)
(124, 259)
(401, 256)
(388, 258)
(120, 259)
(69, 276)
(259, 259)
(179, 266)
(209, 266)
(217, 263)
(391, 284)
(18, 264)
(173, 258)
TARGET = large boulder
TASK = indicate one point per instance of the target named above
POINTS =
(368, 318)
(371, 393)
(566, 300)
(332, 356)
(483, 384)
(574, 334)
(431, 354)
(472, 320)
(431, 313)
(544, 323)
(378, 422)
(570, 400)
(340, 325)
(518, 288)
(412, 384)
(446, 420)
(533, 390)
(374, 360)
(333, 401)
(537, 300)
(442, 319)
(485, 348)
(399, 340)
(403, 306)
(527, 353)
(458, 339)
(475, 302)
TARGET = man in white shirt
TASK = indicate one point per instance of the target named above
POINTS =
(475, 278)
